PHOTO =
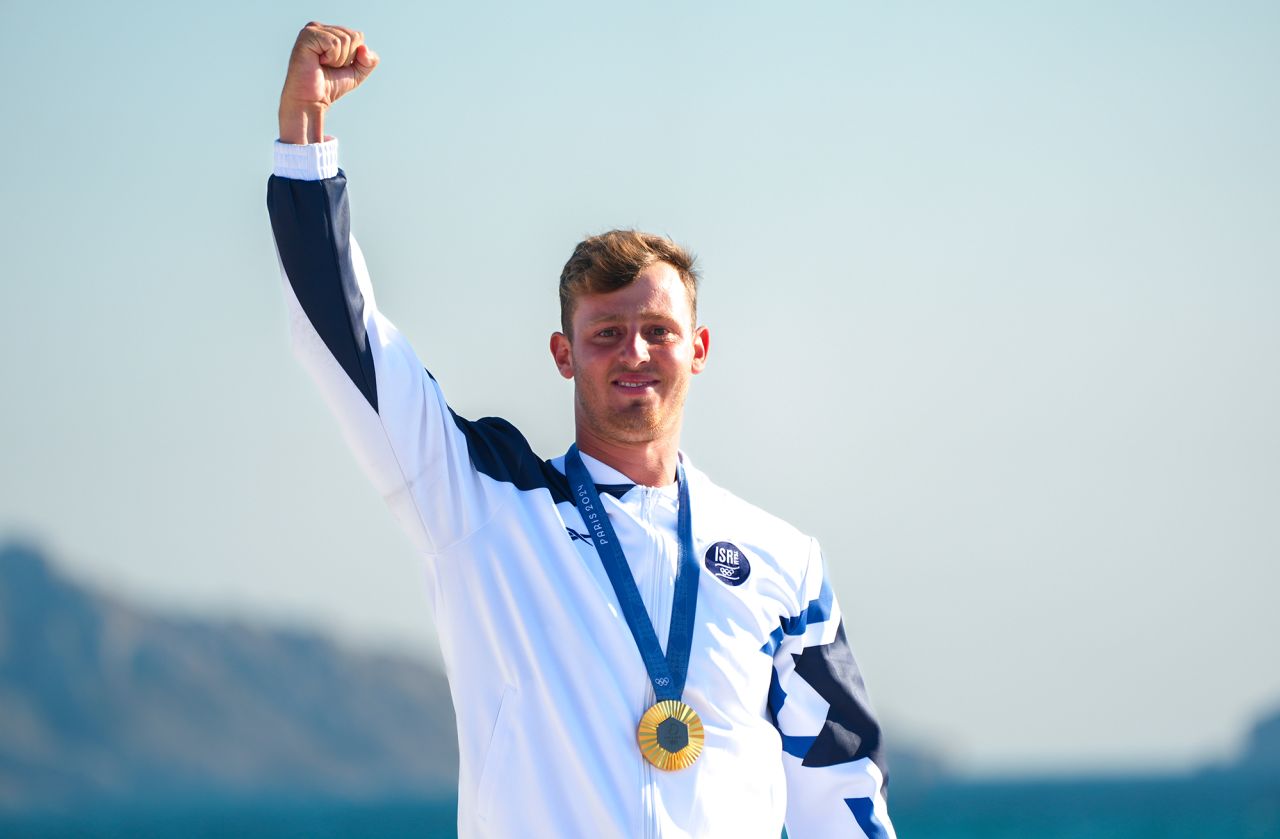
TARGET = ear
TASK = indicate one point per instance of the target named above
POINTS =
(701, 346)
(562, 354)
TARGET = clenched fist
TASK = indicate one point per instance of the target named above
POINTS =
(327, 63)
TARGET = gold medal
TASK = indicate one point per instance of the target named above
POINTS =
(670, 735)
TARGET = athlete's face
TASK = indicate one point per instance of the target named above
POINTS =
(631, 356)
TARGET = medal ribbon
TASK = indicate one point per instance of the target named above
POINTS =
(667, 673)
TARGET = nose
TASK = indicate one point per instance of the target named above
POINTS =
(635, 350)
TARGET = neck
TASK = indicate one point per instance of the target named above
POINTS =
(651, 463)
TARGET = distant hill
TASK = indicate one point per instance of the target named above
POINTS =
(105, 703)
(1260, 757)
(1262, 750)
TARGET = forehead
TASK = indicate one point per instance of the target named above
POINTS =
(657, 291)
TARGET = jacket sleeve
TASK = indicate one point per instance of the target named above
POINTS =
(836, 777)
(414, 449)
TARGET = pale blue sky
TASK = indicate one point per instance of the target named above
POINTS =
(994, 294)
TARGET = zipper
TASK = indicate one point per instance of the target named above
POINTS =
(656, 547)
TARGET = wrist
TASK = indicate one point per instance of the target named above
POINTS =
(301, 124)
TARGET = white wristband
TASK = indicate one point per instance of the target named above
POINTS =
(312, 162)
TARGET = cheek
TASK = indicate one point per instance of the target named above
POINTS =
(586, 363)
(682, 357)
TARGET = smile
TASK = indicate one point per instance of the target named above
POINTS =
(634, 384)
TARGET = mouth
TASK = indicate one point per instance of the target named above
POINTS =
(634, 384)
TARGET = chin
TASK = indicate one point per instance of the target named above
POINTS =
(634, 426)
(634, 430)
(638, 421)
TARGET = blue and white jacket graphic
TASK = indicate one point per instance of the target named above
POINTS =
(547, 683)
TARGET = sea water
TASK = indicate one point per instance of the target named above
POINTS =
(1058, 810)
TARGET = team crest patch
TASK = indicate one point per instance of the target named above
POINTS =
(728, 563)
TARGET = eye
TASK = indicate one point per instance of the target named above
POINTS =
(607, 332)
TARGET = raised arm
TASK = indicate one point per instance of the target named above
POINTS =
(434, 469)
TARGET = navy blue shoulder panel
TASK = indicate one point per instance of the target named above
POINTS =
(312, 226)
(499, 450)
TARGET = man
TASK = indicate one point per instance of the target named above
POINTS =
(552, 581)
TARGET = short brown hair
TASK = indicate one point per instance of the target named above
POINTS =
(612, 260)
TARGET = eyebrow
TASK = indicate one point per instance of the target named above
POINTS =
(653, 314)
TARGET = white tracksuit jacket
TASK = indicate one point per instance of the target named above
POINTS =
(546, 680)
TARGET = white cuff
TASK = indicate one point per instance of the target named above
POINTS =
(312, 162)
